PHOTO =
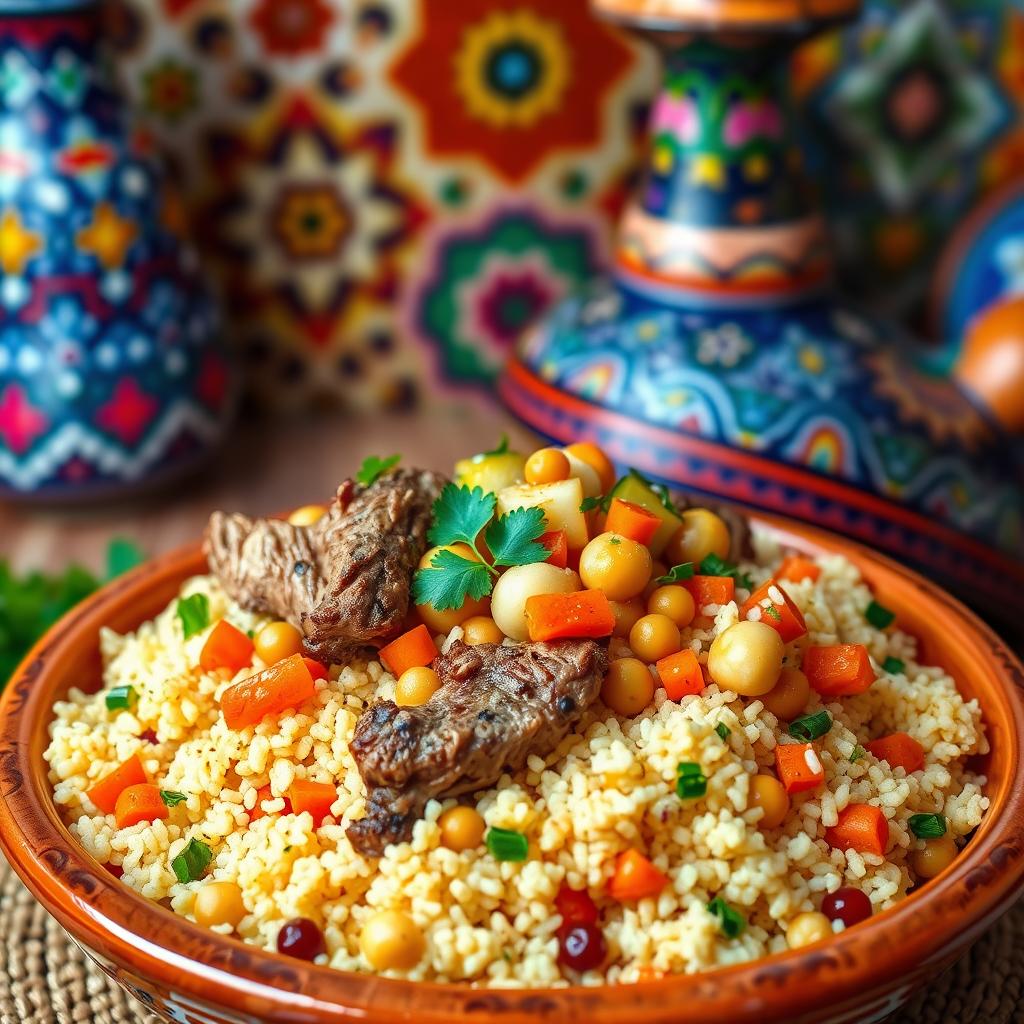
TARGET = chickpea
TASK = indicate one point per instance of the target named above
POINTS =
(481, 629)
(445, 621)
(462, 828)
(219, 903)
(515, 586)
(747, 658)
(702, 534)
(654, 637)
(770, 795)
(546, 466)
(391, 941)
(808, 928)
(597, 460)
(615, 564)
(416, 686)
(628, 687)
(934, 857)
(674, 602)
(626, 614)
(787, 699)
(307, 515)
(277, 641)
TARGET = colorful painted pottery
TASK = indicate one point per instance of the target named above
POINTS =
(112, 374)
(716, 357)
(194, 975)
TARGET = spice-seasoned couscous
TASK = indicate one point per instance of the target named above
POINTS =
(766, 764)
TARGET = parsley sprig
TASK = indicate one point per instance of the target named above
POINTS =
(461, 514)
(374, 467)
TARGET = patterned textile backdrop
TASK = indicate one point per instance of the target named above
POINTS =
(385, 198)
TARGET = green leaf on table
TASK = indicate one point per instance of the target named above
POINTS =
(512, 538)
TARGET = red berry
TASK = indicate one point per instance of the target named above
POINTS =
(301, 938)
(581, 947)
(575, 906)
(851, 906)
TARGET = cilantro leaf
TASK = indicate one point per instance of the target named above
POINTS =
(172, 797)
(512, 538)
(450, 580)
(460, 514)
(677, 574)
(374, 467)
(194, 612)
(589, 504)
(501, 448)
(712, 565)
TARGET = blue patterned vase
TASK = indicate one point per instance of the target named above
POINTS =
(717, 357)
(112, 374)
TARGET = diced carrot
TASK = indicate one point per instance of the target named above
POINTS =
(226, 647)
(262, 794)
(284, 685)
(680, 674)
(316, 669)
(798, 567)
(900, 750)
(554, 616)
(105, 793)
(635, 878)
(861, 827)
(632, 521)
(798, 766)
(782, 615)
(137, 803)
(841, 670)
(410, 650)
(557, 542)
(315, 797)
(707, 590)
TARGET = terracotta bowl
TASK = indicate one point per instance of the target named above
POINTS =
(186, 973)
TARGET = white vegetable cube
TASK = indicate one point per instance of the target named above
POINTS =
(559, 501)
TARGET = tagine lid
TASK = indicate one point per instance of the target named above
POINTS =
(789, 16)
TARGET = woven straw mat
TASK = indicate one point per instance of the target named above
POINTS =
(47, 979)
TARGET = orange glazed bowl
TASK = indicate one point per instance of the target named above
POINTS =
(188, 974)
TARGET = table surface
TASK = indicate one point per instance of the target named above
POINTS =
(267, 466)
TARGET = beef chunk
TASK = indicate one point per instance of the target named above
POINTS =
(346, 579)
(496, 706)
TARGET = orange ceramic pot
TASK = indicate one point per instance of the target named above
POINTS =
(189, 974)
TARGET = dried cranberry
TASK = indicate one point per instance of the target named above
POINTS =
(149, 736)
(848, 905)
(301, 938)
(581, 947)
(575, 906)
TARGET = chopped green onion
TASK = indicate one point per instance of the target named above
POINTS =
(893, 666)
(505, 844)
(194, 612)
(172, 798)
(858, 753)
(731, 922)
(691, 782)
(190, 864)
(927, 826)
(810, 727)
(723, 731)
(121, 698)
(879, 616)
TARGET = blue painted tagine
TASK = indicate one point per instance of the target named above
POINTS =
(112, 373)
(716, 356)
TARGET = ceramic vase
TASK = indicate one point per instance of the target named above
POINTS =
(112, 371)
(717, 357)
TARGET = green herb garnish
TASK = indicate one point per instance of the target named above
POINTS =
(893, 666)
(731, 922)
(505, 844)
(172, 798)
(724, 732)
(879, 616)
(194, 612)
(858, 753)
(691, 782)
(677, 574)
(712, 565)
(927, 826)
(810, 727)
(192, 862)
(773, 613)
(589, 504)
(500, 449)
(122, 555)
(121, 698)
(460, 514)
(374, 467)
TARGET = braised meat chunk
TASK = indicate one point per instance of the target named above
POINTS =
(496, 706)
(346, 579)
